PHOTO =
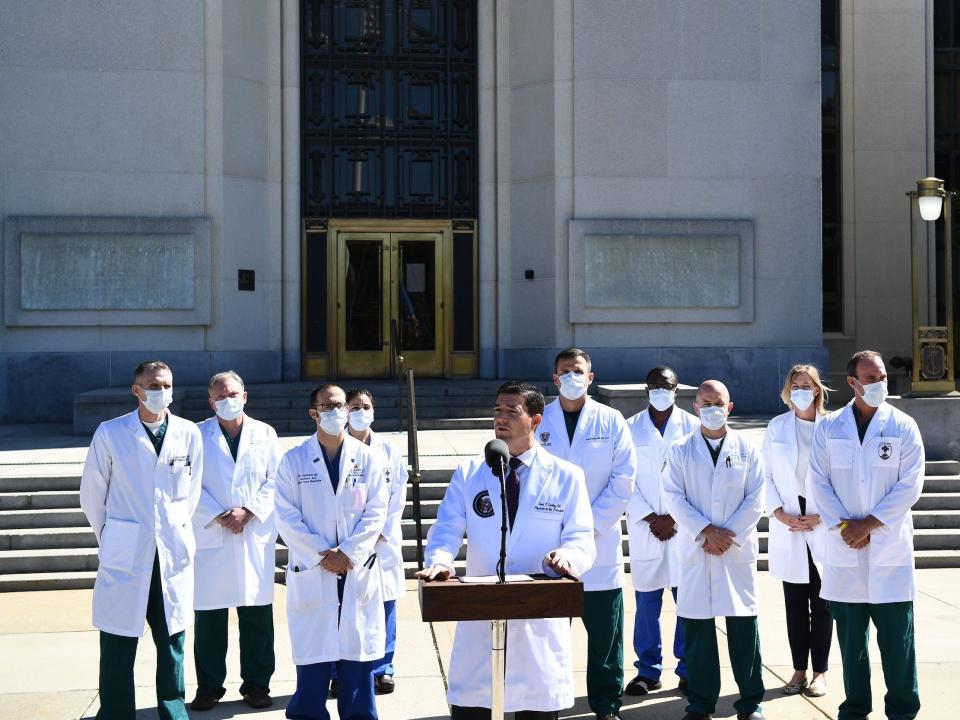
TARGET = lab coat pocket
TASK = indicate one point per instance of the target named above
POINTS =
(746, 553)
(643, 545)
(368, 584)
(689, 548)
(840, 453)
(180, 479)
(311, 588)
(119, 542)
(838, 553)
(646, 460)
(892, 546)
(209, 538)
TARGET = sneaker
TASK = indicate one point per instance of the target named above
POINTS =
(682, 687)
(642, 686)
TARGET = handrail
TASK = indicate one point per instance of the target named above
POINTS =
(413, 457)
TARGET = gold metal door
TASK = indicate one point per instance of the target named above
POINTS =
(387, 281)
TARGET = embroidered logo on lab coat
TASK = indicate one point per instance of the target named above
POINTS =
(544, 438)
(482, 505)
(885, 450)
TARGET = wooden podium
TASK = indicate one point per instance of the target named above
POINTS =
(542, 597)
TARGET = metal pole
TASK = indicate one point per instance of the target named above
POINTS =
(915, 291)
(948, 279)
(413, 455)
(498, 664)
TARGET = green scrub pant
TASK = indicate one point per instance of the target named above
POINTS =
(257, 661)
(894, 624)
(703, 664)
(117, 655)
(603, 620)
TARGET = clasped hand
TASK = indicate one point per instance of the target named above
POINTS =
(235, 519)
(856, 533)
(717, 540)
(797, 523)
(335, 561)
(661, 526)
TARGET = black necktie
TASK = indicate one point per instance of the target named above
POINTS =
(513, 489)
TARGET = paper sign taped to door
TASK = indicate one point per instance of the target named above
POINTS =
(416, 277)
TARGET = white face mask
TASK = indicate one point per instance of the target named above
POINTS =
(361, 419)
(332, 422)
(158, 400)
(662, 399)
(230, 408)
(801, 398)
(573, 386)
(713, 417)
(874, 393)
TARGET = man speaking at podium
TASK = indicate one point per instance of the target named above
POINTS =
(550, 530)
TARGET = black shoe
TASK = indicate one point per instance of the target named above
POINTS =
(333, 688)
(757, 715)
(202, 703)
(642, 686)
(695, 716)
(682, 687)
(257, 698)
(383, 684)
(609, 716)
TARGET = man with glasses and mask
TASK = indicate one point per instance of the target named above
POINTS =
(139, 489)
(866, 472)
(654, 562)
(596, 438)
(331, 504)
(714, 490)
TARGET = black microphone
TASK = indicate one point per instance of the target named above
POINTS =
(497, 456)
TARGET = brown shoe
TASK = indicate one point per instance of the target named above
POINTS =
(257, 698)
(202, 703)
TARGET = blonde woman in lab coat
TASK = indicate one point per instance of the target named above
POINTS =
(795, 545)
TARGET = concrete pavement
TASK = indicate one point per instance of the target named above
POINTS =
(49, 655)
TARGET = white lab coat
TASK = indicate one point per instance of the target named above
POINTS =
(139, 505)
(882, 477)
(787, 550)
(389, 547)
(235, 570)
(554, 512)
(729, 496)
(603, 448)
(654, 564)
(312, 520)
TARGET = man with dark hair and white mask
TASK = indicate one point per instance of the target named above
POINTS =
(866, 472)
(714, 490)
(139, 488)
(236, 532)
(331, 508)
(654, 562)
(596, 438)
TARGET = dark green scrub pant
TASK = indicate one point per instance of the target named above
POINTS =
(117, 654)
(256, 649)
(603, 619)
(894, 624)
(703, 664)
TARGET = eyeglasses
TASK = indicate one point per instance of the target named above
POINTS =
(327, 407)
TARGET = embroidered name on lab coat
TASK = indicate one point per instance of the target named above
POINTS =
(549, 508)
(304, 478)
(598, 438)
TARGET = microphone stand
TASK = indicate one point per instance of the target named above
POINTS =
(502, 565)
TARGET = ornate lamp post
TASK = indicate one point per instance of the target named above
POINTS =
(932, 344)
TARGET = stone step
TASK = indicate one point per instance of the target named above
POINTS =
(12, 519)
(942, 467)
(77, 580)
(70, 560)
(938, 501)
(47, 538)
(50, 483)
(40, 500)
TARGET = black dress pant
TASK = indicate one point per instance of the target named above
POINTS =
(809, 623)
(480, 713)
